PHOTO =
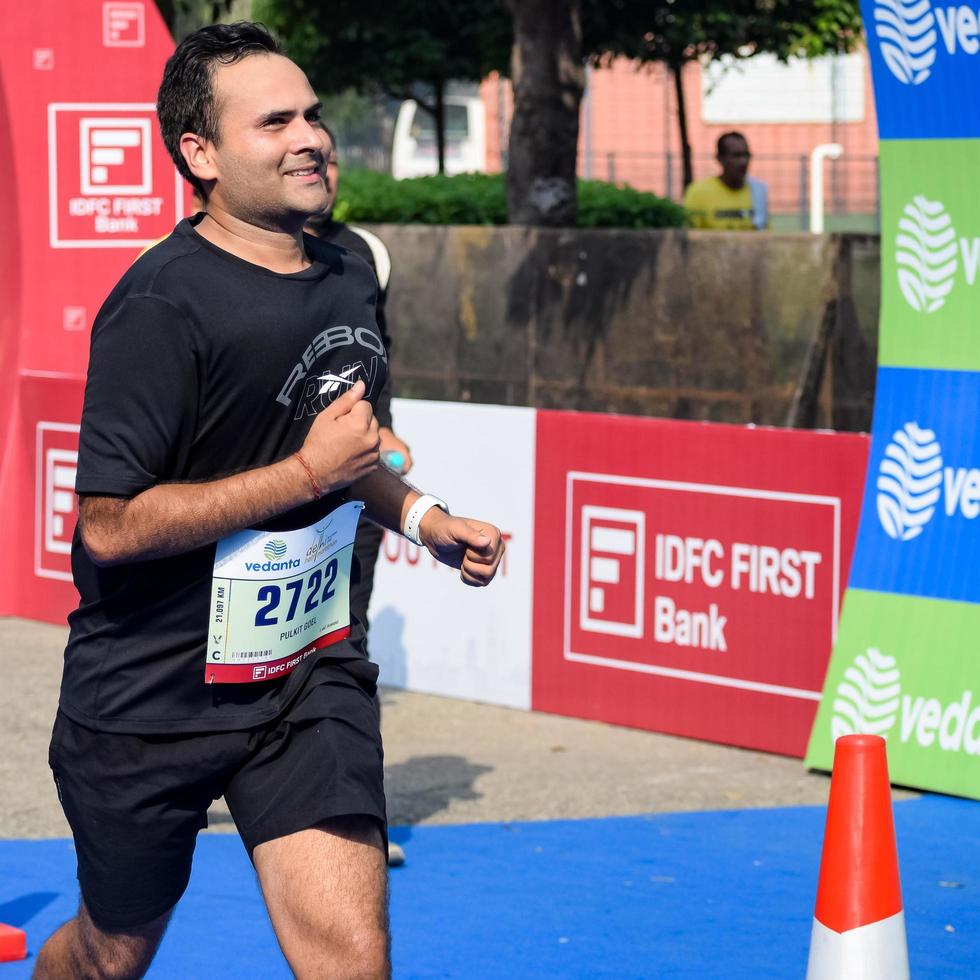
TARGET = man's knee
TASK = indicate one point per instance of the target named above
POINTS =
(326, 889)
(372, 958)
(363, 954)
(122, 954)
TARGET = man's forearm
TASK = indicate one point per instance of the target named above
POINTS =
(387, 498)
(172, 518)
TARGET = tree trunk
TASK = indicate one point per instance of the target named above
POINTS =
(549, 78)
(439, 92)
(677, 70)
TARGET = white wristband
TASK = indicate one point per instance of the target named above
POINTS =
(418, 510)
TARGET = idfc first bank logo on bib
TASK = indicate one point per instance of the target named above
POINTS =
(926, 61)
(920, 526)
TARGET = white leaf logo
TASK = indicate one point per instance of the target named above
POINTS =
(907, 36)
(925, 254)
(909, 482)
(867, 698)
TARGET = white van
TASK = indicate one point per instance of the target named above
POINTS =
(413, 150)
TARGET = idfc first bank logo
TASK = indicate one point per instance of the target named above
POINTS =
(675, 578)
(111, 183)
(913, 34)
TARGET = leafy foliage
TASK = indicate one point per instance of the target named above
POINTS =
(184, 16)
(480, 199)
(685, 30)
(602, 205)
(389, 47)
(405, 50)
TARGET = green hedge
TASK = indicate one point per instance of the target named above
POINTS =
(480, 199)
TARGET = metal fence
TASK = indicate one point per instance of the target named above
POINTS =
(851, 192)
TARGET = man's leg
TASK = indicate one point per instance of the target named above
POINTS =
(135, 805)
(326, 889)
(80, 949)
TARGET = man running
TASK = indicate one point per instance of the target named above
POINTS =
(227, 440)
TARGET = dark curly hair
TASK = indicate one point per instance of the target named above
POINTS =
(185, 102)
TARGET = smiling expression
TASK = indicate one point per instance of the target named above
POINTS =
(269, 165)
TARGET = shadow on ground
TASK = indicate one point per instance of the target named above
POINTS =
(20, 911)
(425, 785)
(416, 789)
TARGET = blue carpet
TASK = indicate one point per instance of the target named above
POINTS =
(725, 894)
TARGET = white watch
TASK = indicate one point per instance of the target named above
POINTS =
(418, 510)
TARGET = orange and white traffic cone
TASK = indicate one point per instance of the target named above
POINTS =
(858, 925)
(13, 943)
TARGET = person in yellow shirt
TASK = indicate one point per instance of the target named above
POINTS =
(732, 201)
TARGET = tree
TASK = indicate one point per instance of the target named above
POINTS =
(184, 16)
(678, 32)
(548, 75)
(393, 48)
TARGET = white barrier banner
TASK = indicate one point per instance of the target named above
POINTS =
(429, 632)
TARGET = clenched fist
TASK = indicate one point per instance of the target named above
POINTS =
(343, 445)
(474, 547)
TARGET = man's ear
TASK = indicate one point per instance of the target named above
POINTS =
(199, 156)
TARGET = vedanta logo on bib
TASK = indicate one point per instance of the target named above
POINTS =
(275, 549)
(911, 32)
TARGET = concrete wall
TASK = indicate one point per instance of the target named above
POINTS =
(726, 327)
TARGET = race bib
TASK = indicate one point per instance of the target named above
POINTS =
(278, 597)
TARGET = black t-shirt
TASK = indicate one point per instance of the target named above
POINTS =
(202, 365)
(343, 235)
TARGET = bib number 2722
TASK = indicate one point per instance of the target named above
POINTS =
(272, 595)
(278, 597)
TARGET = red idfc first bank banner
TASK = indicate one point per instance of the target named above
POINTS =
(688, 577)
(88, 184)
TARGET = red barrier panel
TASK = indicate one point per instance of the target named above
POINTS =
(87, 184)
(688, 577)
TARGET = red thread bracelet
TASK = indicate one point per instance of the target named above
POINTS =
(317, 492)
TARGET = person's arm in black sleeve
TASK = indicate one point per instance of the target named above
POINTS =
(141, 398)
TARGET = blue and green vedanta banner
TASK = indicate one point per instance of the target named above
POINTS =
(907, 660)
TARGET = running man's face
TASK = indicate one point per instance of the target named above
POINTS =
(271, 157)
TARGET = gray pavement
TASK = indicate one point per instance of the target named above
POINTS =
(447, 761)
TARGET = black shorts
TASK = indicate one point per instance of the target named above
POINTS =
(135, 803)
